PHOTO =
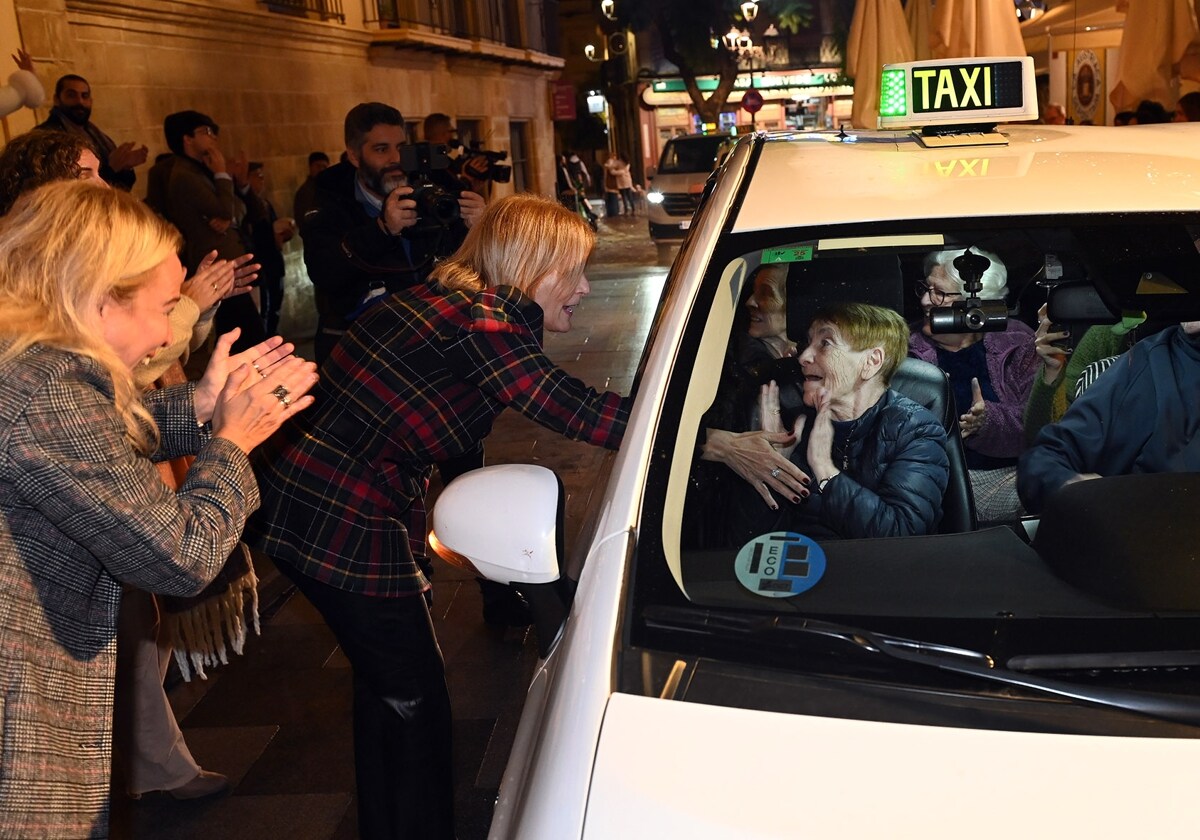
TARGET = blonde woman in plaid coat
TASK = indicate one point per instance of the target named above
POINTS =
(88, 278)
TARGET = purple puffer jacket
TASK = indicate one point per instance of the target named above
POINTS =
(1012, 364)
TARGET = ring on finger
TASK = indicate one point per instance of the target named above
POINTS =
(775, 472)
(280, 393)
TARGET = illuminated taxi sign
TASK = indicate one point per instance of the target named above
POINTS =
(957, 91)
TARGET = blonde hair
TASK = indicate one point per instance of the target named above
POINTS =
(863, 325)
(66, 248)
(519, 241)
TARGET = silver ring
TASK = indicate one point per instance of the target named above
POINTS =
(775, 472)
(773, 410)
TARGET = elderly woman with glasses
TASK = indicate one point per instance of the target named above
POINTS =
(991, 374)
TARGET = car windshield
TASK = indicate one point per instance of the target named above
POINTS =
(689, 155)
(716, 549)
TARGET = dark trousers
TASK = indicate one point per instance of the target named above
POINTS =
(324, 342)
(240, 311)
(270, 290)
(402, 724)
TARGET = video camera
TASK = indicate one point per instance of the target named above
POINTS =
(972, 314)
(484, 164)
(436, 206)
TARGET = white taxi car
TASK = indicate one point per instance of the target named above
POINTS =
(968, 683)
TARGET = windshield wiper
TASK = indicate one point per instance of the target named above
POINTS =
(944, 658)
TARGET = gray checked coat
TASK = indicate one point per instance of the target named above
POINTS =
(81, 512)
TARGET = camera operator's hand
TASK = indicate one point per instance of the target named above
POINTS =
(399, 211)
(471, 205)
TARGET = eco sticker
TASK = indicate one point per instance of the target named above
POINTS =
(797, 253)
(780, 564)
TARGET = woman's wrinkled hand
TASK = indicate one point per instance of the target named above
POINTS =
(252, 406)
(754, 457)
(973, 420)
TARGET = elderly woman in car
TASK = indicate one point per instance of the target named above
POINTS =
(864, 460)
(991, 374)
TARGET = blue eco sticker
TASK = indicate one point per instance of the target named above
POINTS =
(780, 564)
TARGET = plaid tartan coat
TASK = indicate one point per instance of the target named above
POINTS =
(81, 512)
(418, 379)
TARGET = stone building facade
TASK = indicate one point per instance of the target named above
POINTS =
(279, 77)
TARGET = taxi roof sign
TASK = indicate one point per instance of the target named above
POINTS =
(957, 91)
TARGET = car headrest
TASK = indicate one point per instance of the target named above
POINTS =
(926, 384)
(1133, 540)
(860, 278)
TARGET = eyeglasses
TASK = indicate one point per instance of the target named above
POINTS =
(936, 296)
(206, 129)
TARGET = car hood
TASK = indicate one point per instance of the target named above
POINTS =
(674, 769)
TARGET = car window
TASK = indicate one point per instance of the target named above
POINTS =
(707, 543)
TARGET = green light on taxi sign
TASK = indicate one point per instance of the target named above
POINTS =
(892, 101)
(957, 91)
(796, 253)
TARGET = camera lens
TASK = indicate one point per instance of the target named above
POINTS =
(443, 208)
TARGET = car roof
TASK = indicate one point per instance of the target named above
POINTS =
(825, 177)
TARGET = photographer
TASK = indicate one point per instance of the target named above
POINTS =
(365, 237)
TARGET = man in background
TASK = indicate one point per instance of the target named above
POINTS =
(305, 198)
(363, 238)
(206, 196)
(72, 112)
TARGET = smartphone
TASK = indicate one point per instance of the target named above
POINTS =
(1063, 344)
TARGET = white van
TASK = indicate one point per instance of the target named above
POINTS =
(676, 186)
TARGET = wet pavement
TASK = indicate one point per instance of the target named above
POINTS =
(277, 719)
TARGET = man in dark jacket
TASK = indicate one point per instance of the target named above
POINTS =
(72, 113)
(206, 196)
(364, 238)
(1140, 416)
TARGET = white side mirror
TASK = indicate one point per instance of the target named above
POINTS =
(500, 522)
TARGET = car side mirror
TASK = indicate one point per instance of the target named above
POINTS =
(504, 523)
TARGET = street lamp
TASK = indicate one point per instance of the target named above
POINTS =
(590, 52)
(750, 10)
(608, 8)
(730, 38)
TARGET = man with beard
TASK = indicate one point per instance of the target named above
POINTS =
(72, 113)
(364, 238)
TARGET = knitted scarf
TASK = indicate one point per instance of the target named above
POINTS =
(201, 629)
